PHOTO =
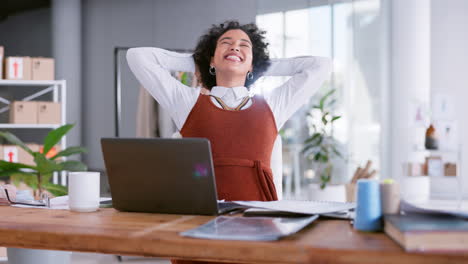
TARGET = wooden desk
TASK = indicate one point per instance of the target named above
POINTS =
(109, 231)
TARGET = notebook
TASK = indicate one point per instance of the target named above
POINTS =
(428, 232)
(250, 228)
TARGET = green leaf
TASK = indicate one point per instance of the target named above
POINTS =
(336, 152)
(324, 158)
(325, 177)
(16, 141)
(10, 173)
(5, 165)
(324, 98)
(314, 137)
(317, 156)
(54, 137)
(335, 118)
(72, 165)
(46, 177)
(55, 189)
(69, 151)
(29, 179)
(16, 179)
(307, 148)
(324, 120)
(44, 165)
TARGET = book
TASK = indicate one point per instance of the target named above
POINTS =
(250, 228)
(428, 232)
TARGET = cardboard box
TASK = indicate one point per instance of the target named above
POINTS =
(48, 113)
(10, 153)
(43, 69)
(350, 192)
(25, 157)
(2, 54)
(18, 68)
(23, 112)
(450, 169)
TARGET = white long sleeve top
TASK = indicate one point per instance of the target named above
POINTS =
(152, 67)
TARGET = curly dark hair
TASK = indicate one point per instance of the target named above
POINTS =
(207, 44)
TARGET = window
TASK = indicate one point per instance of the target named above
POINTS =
(350, 33)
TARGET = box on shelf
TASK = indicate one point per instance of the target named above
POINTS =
(10, 153)
(23, 112)
(42, 69)
(2, 53)
(450, 169)
(48, 113)
(25, 157)
(18, 68)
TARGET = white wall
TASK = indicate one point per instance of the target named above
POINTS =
(410, 73)
(66, 50)
(26, 34)
(175, 24)
(449, 66)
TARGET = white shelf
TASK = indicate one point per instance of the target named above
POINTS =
(29, 83)
(51, 126)
(58, 90)
(437, 151)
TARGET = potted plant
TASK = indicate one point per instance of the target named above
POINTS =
(38, 176)
(322, 149)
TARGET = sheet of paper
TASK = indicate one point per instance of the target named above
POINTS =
(300, 207)
(450, 207)
(57, 203)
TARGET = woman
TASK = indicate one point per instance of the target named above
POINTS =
(241, 127)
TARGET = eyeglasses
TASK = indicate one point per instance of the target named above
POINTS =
(44, 201)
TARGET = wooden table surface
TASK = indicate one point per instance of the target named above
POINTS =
(113, 232)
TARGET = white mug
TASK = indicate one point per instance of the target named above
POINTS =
(83, 191)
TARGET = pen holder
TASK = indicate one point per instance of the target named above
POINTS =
(351, 192)
(368, 208)
(390, 197)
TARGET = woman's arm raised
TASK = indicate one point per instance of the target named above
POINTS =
(308, 74)
(152, 67)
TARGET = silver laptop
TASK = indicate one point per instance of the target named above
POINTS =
(159, 175)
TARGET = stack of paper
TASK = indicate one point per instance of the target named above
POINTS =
(300, 207)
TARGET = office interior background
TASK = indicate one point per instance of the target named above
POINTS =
(393, 60)
(399, 66)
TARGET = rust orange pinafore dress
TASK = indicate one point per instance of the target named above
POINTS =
(241, 144)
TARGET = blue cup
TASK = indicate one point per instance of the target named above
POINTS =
(368, 209)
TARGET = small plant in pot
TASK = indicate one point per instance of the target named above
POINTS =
(321, 147)
(38, 176)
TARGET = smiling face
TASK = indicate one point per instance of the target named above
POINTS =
(233, 54)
